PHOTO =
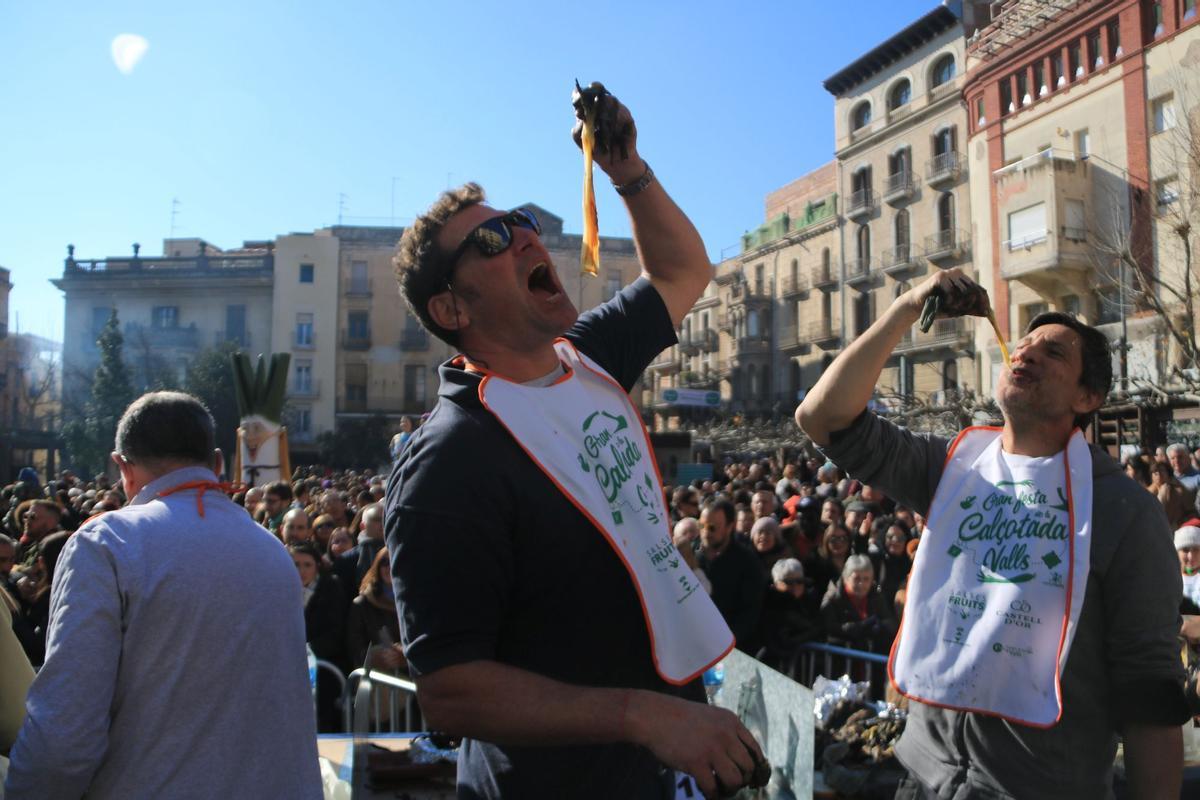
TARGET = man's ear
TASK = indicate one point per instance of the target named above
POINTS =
(448, 311)
(1087, 401)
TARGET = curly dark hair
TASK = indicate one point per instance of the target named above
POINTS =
(418, 263)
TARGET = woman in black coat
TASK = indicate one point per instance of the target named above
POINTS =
(324, 629)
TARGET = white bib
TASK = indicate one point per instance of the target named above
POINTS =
(998, 582)
(1191, 587)
(586, 436)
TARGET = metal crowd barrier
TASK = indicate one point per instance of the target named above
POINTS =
(816, 658)
(371, 703)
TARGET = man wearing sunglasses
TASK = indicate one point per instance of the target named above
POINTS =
(522, 626)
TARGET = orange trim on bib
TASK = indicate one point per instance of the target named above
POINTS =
(1058, 666)
(488, 375)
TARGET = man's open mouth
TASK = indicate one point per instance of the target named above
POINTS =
(542, 280)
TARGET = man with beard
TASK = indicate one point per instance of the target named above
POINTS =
(42, 518)
(522, 609)
(1048, 592)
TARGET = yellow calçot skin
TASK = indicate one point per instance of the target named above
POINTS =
(589, 258)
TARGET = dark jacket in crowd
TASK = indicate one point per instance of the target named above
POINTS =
(738, 586)
(844, 625)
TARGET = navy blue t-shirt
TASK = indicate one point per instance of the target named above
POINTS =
(491, 562)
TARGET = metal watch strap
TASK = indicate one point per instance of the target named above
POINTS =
(633, 187)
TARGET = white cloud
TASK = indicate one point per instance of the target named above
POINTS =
(127, 51)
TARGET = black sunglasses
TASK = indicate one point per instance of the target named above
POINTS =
(493, 236)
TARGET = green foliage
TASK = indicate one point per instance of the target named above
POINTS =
(261, 390)
(210, 378)
(90, 439)
(357, 443)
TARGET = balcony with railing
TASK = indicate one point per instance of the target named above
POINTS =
(1041, 203)
(944, 169)
(666, 362)
(305, 389)
(898, 260)
(356, 340)
(792, 285)
(862, 203)
(899, 186)
(946, 245)
(793, 337)
(752, 345)
(241, 339)
(953, 334)
(858, 270)
(824, 277)
(698, 341)
(359, 287)
(703, 378)
(747, 293)
(821, 331)
(414, 340)
(184, 338)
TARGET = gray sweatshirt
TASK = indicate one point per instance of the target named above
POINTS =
(175, 663)
(1124, 665)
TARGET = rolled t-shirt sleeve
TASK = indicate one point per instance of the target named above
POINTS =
(453, 574)
(904, 465)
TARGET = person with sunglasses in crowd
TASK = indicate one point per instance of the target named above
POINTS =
(521, 611)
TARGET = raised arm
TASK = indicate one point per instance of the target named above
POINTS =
(845, 388)
(670, 249)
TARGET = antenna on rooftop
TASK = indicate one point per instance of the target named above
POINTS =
(174, 213)
(342, 197)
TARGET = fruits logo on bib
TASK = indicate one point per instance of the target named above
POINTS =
(617, 462)
(1014, 534)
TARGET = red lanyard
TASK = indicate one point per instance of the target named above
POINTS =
(201, 487)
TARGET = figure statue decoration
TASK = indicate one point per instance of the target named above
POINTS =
(262, 448)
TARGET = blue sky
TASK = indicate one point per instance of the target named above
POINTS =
(256, 116)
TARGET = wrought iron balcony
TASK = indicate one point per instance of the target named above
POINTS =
(698, 341)
(792, 285)
(861, 204)
(945, 245)
(944, 169)
(414, 340)
(355, 340)
(898, 260)
(899, 186)
(824, 277)
(858, 270)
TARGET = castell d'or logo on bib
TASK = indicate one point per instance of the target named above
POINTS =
(585, 436)
(1014, 534)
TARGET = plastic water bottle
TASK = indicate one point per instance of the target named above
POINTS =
(714, 679)
(312, 673)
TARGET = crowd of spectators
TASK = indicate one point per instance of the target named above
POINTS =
(789, 552)
(796, 553)
(1172, 474)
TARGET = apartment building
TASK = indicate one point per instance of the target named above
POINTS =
(303, 320)
(769, 322)
(899, 124)
(1082, 134)
(171, 307)
(329, 298)
(386, 362)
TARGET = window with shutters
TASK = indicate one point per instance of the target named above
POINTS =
(1027, 226)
